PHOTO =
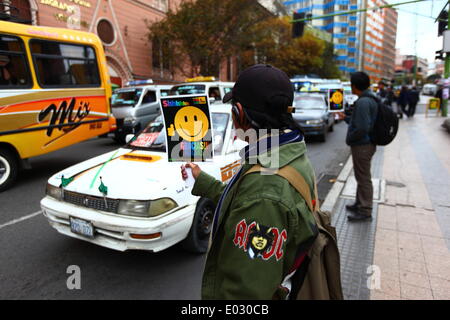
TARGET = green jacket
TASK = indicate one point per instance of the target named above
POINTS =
(270, 214)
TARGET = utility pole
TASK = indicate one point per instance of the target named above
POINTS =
(446, 72)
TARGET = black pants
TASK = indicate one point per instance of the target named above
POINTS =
(403, 107)
(412, 109)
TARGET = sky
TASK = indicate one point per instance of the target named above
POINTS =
(421, 27)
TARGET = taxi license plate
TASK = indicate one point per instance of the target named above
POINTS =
(81, 227)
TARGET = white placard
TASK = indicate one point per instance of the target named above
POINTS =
(446, 37)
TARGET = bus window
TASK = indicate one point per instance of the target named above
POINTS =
(64, 65)
(14, 72)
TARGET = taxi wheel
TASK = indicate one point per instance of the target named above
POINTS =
(8, 169)
(198, 237)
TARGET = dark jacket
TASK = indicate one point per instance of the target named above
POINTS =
(362, 120)
(403, 97)
(264, 202)
(413, 96)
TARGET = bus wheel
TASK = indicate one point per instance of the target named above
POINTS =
(8, 169)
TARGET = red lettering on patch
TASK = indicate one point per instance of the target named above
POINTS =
(239, 235)
(281, 240)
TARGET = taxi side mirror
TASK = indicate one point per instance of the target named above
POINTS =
(128, 137)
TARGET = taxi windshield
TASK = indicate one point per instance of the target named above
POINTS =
(348, 90)
(127, 97)
(188, 89)
(309, 102)
(153, 137)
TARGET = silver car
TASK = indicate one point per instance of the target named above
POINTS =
(311, 113)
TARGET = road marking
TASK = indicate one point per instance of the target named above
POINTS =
(20, 219)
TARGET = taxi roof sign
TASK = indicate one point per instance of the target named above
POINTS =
(138, 82)
(201, 79)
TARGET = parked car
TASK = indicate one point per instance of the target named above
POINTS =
(204, 85)
(429, 89)
(135, 105)
(147, 206)
(311, 113)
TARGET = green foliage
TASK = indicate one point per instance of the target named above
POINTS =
(203, 33)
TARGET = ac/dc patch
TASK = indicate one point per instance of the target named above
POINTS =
(259, 241)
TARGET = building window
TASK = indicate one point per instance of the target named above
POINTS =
(160, 50)
(105, 31)
(162, 5)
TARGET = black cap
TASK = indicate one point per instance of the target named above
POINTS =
(261, 86)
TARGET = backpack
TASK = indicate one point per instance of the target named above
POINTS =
(385, 126)
(321, 279)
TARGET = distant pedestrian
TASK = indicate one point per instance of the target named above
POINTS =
(402, 101)
(390, 96)
(382, 92)
(362, 148)
(439, 95)
(413, 99)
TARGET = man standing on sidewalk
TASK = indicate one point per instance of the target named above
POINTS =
(413, 99)
(358, 138)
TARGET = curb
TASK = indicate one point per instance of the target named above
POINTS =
(333, 195)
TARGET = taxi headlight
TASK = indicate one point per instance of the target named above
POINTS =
(160, 206)
(133, 208)
(151, 208)
(129, 120)
(317, 121)
(53, 192)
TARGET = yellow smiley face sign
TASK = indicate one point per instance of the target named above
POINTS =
(191, 123)
(188, 126)
(337, 97)
(336, 100)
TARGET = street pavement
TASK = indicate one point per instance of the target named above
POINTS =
(403, 252)
(34, 258)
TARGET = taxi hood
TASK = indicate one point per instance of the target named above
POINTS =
(137, 175)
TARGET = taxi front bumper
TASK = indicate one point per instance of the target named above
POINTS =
(114, 231)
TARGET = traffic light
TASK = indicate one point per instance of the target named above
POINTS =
(439, 55)
(443, 22)
(298, 26)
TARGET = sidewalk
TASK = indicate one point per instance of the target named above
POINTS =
(403, 253)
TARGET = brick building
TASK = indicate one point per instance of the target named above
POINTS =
(120, 24)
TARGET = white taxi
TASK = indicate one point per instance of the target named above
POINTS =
(134, 199)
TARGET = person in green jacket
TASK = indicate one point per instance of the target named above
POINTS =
(262, 226)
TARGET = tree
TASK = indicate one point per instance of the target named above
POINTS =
(272, 43)
(433, 78)
(204, 33)
(329, 68)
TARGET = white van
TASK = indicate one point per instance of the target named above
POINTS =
(429, 89)
(135, 105)
(204, 85)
